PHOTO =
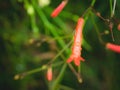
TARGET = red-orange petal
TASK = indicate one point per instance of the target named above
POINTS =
(70, 59)
(113, 47)
(59, 8)
(77, 61)
(49, 74)
(118, 27)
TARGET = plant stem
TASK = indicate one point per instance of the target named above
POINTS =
(111, 7)
(60, 52)
(31, 13)
(50, 26)
(93, 2)
(22, 75)
(72, 68)
(87, 12)
(113, 10)
(59, 78)
(34, 26)
(97, 30)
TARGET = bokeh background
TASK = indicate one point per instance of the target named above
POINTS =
(30, 38)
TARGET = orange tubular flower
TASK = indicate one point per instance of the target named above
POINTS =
(118, 27)
(76, 48)
(59, 8)
(49, 74)
(113, 47)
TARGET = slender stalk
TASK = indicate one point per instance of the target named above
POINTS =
(34, 25)
(22, 75)
(93, 2)
(59, 78)
(97, 30)
(31, 13)
(87, 12)
(60, 52)
(113, 10)
(47, 24)
(72, 69)
(110, 7)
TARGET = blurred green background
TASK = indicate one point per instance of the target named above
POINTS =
(30, 38)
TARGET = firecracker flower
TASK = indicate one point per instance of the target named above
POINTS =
(49, 74)
(76, 48)
(113, 47)
(59, 8)
(118, 27)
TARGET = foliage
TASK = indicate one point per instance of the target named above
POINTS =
(31, 42)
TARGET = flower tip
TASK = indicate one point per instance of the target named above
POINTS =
(49, 74)
(53, 15)
(118, 27)
(113, 47)
(59, 9)
(77, 61)
(70, 59)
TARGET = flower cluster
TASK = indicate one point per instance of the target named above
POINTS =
(76, 48)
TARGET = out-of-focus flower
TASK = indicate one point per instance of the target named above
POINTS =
(113, 47)
(30, 9)
(59, 8)
(49, 74)
(118, 27)
(43, 3)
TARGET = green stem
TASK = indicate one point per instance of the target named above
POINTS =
(31, 13)
(42, 68)
(111, 7)
(87, 12)
(113, 11)
(50, 26)
(22, 75)
(34, 25)
(59, 78)
(71, 67)
(93, 2)
(60, 52)
(97, 30)
(36, 70)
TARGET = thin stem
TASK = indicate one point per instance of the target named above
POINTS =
(111, 7)
(113, 11)
(30, 10)
(93, 2)
(60, 52)
(34, 26)
(87, 12)
(59, 78)
(72, 69)
(47, 24)
(97, 31)
(79, 74)
(22, 75)
(75, 73)
(36, 70)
